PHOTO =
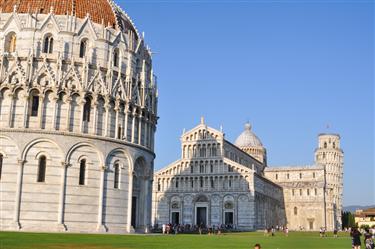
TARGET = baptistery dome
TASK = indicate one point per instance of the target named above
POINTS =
(78, 114)
(100, 11)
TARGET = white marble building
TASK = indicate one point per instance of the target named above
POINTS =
(78, 113)
(217, 182)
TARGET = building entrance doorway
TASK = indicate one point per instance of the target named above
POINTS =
(201, 216)
(175, 218)
(134, 211)
(228, 218)
(311, 224)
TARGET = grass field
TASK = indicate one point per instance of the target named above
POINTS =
(296, 240)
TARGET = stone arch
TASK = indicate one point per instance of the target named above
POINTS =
(62, 108)
(48, 105)
(141, 193)
(111, 195)
(18, 107)
(32, 143)
(76, 146)
(37, 190)
(86, 196)
(5, 102)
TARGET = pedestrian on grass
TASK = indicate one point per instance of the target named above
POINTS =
(356, 238)
(335, 233)
(369, 243)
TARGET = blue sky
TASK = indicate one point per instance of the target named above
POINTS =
(290, 68)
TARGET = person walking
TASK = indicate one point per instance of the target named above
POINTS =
(356, 238)
(369, 243)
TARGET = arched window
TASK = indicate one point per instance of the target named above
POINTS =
(176, 183)
(202, 152)
(1, 164)
(116, 57)
(295, 210)
(48, 44)
(212, 183)
(34, 104)
(287, 176)
(211, 168)
(300, 192)
(83, 48)
(10, 42)
(300, 175)
(325, 145)
(201, 168)
(308, 191)
(334, 145)
(159, 185)
(117, 176)
(86, 110)
(213, 153)
(313, 174)
(316, 191)
(276, 176)
(201, 182)
(191, 169)
(293, 192)
(42, 169)
(82, 172)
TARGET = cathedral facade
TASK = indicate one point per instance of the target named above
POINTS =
(219, 183)
(78, 113)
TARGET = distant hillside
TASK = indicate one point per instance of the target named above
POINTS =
(356, 207)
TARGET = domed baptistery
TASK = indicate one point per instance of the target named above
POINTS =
(78, 113)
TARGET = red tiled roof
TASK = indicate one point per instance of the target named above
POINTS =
(99, 10)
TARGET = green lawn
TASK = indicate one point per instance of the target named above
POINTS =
(296, 240)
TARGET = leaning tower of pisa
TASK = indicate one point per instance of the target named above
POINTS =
(330, 155)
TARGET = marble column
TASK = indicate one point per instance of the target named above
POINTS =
(82, 110)
(60, 220)
(11, 107)
(55, 106)
(101, 227)
(126, 112)
(106, 124)
(130, 197)
(68, 101)
(133, 127)
(17, 203)
(117, 110)
(26, 110)
(140, 120)
(95, 119)
(41, 111)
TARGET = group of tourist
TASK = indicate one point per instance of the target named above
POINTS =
(187, 228)
(270, 231)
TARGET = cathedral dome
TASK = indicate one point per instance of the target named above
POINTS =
(247, 138)
(99, 11)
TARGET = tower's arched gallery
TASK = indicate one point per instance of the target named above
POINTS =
(218, 183)
(78, 113)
